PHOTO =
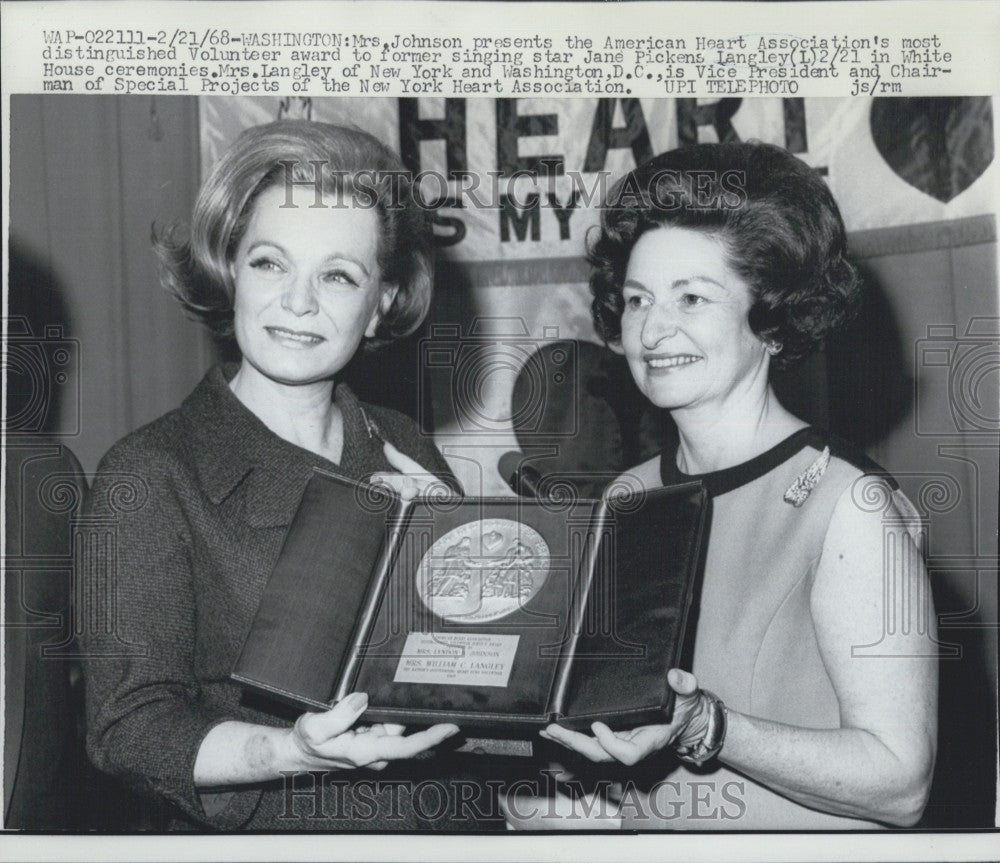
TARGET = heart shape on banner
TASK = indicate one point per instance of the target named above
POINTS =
(939, 145)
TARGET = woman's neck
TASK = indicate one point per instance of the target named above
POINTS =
(718, 437)
(304, 415)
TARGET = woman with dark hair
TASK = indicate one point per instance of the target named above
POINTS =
(306, 243)
(815, 628)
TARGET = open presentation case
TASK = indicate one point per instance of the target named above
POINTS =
(498, 614)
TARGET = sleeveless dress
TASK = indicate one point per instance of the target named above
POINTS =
(755, 642)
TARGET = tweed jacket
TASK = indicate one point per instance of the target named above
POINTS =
(187, 516)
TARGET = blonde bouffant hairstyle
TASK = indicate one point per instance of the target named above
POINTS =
(339, 161)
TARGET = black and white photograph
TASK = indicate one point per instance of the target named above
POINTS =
(429, 433)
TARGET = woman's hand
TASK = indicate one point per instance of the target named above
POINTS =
(632, 746)
(412, 480)
(327, 740)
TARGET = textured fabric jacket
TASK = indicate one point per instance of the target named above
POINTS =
(185, 521)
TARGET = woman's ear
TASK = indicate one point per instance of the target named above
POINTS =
(385, 302)
(616, 347)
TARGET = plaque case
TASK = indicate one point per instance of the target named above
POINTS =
(498, 614)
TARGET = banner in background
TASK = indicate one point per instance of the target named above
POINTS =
(528, 173)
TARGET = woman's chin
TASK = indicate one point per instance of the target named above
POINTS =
(667, 397)
(295, 374)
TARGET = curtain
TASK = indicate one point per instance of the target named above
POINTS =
(110, 349)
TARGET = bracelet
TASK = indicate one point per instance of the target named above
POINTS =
(710, 743)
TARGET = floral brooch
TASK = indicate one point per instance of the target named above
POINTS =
(799, 491)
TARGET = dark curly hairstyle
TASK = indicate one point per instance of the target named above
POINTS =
(195, 267)
(776, 217)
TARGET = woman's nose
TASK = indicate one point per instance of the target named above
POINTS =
(659, 324)
(300, 297)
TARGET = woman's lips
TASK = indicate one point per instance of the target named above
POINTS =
(671, 361)
(297, 337)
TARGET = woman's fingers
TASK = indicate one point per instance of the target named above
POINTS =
(328, 738)
(392, 746)
(386, 729)
(405, 486)
(582, 743)
(403, 463)
(682, 682)
(314, 729)
(412, 479)
(617, 747)
(632, 746)
(688, 701)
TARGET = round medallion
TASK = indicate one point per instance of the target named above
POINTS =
(483, 570)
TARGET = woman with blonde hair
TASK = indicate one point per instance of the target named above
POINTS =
(306, 245)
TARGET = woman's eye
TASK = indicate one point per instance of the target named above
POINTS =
(635, 301)
(339, 277)
(690, 300)
(267, 265)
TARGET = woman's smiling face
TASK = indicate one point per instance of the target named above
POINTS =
(307, 287)
(685, 329)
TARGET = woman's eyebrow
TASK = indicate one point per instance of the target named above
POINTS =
(340, 256)
(335, 256)
(683, 283)
(257, 244)
(677, 284)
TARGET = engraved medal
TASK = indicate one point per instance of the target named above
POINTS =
(483, 570)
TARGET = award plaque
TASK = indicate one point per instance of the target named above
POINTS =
(503, 614)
